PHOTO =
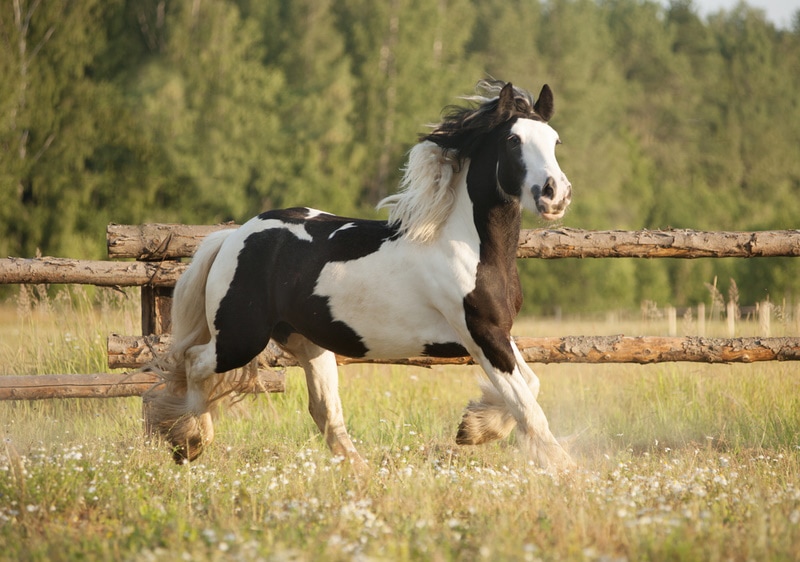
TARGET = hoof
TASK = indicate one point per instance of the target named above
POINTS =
(187, 451)
(358, 465)
(553, 458)
(188, 436)
(483, 423)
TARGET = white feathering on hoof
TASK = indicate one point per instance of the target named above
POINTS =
(485, 420)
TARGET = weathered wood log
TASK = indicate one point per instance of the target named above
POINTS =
(156, 310)
(132, 352)
(574, 243)
(89, 272)
(153, 242)
(548, 244)
(99, 385)
(156, 241)
(656, 349)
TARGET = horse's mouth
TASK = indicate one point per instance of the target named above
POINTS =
(551, 216)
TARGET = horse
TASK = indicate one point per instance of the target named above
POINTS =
(438, 278)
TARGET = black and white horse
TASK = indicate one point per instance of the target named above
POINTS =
(438, 279)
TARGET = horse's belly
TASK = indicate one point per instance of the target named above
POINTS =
(395, 311)
(400, 334)
(391, 328)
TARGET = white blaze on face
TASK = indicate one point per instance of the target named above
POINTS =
(538, 143)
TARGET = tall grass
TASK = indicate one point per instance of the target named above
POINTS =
(63, 331)
(675, 462)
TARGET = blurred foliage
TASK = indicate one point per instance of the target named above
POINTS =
(155, 110)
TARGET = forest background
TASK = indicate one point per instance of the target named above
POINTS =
(204, 111)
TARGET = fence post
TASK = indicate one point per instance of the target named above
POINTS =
(156, 310)
(764, 317)
(701, 319)
(730, 317)
(672, 319)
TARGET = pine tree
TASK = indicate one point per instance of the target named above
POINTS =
(409, 62)
(321, 167)
(59, 128)
(210, 104)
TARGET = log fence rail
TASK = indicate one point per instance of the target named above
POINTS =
(157, 250)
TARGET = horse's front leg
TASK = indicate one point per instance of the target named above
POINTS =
(527, 373)
(324, 403)
(513, 401)
(489, 418)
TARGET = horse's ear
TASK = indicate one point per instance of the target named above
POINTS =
(506, 104)
(544, 106)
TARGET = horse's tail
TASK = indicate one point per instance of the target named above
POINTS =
(168, 410)
(189, 323)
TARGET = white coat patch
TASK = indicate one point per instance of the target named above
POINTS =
(341, 228)
(405, 295)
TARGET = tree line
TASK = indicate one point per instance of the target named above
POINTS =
(204, 111)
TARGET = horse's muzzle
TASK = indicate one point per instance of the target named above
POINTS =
(553, 198)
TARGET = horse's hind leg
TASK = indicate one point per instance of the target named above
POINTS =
(324, 404)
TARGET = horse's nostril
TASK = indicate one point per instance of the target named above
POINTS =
(548, 191)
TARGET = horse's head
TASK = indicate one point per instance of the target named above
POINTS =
(508, 136)
(527, 167)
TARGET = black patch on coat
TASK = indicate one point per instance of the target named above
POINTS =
(491, 307)
(483, 136)
(273, 285)
(451, 349)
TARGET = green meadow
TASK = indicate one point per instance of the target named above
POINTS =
(674, 461)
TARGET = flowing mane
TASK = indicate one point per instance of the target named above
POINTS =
(426, 195)
(427, 191)
(463, 127)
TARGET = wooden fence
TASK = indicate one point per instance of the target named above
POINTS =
(158, 248)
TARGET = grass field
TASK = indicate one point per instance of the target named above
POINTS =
(675, 462)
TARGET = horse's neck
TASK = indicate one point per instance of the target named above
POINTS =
(490, 230)
(460, 224)
(496, 219)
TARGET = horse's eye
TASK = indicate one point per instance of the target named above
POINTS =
(514, 141)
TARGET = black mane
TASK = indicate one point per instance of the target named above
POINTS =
(463, 127)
